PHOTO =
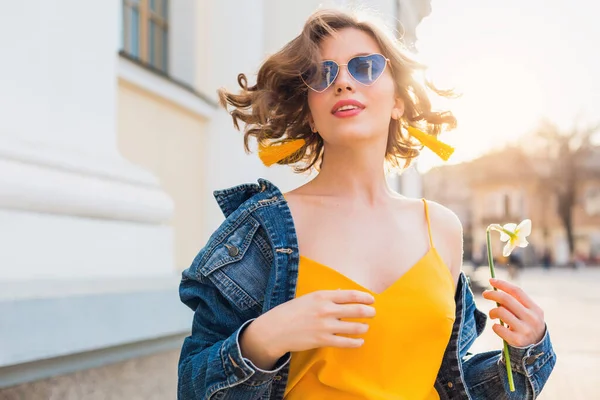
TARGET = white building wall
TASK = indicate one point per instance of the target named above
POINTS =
(46, 96)
(70, 205)
(183, 40)
(411, 183)
(229, 38)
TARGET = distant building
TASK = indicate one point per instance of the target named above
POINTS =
(505, 186)
(449, 185)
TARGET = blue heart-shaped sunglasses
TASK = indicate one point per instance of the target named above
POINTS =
(365, 69)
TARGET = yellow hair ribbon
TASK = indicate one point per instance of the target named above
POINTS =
(443, 150)
(273, 153)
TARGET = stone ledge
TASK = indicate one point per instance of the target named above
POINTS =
(160, 84)
(46, 336)
(38, 370)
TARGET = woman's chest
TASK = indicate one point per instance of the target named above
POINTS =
(373, 250)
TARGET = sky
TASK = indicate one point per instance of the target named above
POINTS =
(514, 62)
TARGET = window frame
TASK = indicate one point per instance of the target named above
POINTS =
(148, 16)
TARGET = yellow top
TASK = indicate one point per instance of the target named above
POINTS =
(403, 347)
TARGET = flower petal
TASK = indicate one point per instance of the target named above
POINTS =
(504, 237)
(495, 227)
(521, 242)
(524, 228)
(510, 227)
(508, 249)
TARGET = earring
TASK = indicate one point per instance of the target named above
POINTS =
(443, 150)
(273, 153)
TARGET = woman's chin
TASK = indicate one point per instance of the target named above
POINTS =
(352, 136)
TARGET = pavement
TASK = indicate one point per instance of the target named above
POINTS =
(571, 302)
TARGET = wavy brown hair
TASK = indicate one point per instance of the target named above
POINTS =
(276, 110)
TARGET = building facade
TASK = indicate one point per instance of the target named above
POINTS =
(505, 187)
(110, 147)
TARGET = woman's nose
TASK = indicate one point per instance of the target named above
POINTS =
(343, 81)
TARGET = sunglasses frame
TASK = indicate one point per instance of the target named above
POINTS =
(387, 61)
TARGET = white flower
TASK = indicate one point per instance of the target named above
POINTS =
(514, 235)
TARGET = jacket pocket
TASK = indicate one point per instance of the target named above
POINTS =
(234, 267)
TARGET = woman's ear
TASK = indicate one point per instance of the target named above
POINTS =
(398, 110)
(311, 123)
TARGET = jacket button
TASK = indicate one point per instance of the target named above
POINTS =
(532, 359)
(232, 250)
(450, 385)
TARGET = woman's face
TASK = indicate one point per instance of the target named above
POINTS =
(376, 102)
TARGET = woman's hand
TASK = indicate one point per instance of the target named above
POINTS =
(307, 322)
(525, 319)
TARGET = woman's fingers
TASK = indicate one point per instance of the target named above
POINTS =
(342, 341)
(524, 317)
(507, 317)
(511, 337)
(350, 328)
(346, 296)
(519, 338)
(354, 311)
(515, 292)
(508, 302)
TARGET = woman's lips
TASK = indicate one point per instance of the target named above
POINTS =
(348, 113)
(356, 109)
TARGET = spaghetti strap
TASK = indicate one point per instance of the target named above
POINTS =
(428, 222)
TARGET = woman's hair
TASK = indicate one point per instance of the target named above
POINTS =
(275, 109)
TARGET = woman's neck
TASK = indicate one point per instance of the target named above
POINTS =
(356, 175)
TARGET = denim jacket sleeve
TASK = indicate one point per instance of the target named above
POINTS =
(485, 373)
(486, 378)
(211, 365)
(225, 299)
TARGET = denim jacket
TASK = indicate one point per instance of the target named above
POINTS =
(250, 265)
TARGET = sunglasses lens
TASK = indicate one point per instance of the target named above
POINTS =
(366, 69)
(321, 81)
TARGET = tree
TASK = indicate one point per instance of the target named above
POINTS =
(563, 157)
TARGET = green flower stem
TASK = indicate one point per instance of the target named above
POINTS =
(511, 382)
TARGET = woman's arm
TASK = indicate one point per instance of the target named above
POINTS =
(531, 353)
(211, 360)
(485, 373)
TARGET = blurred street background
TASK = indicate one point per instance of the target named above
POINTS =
(570, 302)
(112, 142)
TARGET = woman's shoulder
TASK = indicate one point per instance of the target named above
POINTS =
(443, 218)
(447, 234)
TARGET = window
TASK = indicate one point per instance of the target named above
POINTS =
(494, 205)
(592, 201)
(506, 206)
(145, 31)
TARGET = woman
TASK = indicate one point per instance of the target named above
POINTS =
(343, 289)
